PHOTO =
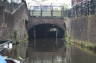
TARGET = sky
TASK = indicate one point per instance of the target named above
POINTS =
(49, 2)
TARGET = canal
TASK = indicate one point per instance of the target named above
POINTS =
(53, 54)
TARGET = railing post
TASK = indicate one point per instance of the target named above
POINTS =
(51, 11)
(41, 11)
(62, 12)
(32, 12)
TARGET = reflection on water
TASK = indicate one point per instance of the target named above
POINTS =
(80, 56)
(46, 44)
(46, 51)
(52, 53)
(48, 59)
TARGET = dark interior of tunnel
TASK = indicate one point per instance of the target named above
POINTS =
(45, 36)
(45, 31)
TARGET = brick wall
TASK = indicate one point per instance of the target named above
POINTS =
(82, 28)
(10, 23)
(41, 20)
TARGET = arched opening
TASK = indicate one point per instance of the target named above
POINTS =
(46, 31)
(43, 32)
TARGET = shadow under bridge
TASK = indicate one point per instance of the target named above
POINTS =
(46, 31)
(45, 37)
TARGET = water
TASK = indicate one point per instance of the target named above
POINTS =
(79, 56)
(46, 51)
(54, 53)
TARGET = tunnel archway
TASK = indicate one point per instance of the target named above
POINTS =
(46, 31)
(43, 32)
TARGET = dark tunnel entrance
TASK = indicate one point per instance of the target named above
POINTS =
(46, 31)
(43, 37)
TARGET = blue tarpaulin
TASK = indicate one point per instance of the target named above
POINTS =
(2, 60)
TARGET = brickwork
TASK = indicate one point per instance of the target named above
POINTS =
(82, 29)
(38, 20)
(10, 23)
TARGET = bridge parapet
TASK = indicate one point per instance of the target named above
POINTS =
(46, 11)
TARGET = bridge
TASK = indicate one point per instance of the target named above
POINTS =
(46, 17)
(46, 28)
(46, 22)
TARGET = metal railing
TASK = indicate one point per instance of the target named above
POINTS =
(11, 1)
(47, 11)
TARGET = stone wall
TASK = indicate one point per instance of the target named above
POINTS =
(5, 24)
(82, 28)
(20, 18)
(15, 22)
(46, 20)
(20, 32)
(13, 27)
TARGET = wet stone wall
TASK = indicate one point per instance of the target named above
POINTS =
(82, 28)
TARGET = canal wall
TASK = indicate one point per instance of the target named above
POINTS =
(20, 32)
(82, 32)
(20, 18)
(82, 28)
(13, 27)
(13, 24)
